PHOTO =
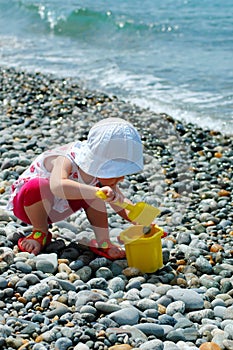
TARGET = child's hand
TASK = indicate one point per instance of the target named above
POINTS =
(112, 196)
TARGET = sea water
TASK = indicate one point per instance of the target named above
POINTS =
(172, 56)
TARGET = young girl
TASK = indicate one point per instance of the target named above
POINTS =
(61, 181)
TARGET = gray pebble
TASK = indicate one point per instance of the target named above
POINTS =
(197, 316)
(176, 306)
(155, 344)
(104, 272)
(83, 297)
(3, 283)
(126, 316)
(84, 273)
(184, 238)
(81, 346)
(204, 265)
(39, 290)
(192, 300)
(116, 284)
(107, 307)
(169, 345)
(88, 309)
(98, 283)
(176, 335)
(219, 311)
(151, 329)
(228, 314)
(23, 267)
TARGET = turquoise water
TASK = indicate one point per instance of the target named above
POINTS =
(172, 56)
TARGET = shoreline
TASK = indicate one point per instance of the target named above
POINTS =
(81, 85)
(188, 175)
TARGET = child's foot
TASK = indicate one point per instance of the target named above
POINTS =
(35, 242)
(115, 252)
(107, 249)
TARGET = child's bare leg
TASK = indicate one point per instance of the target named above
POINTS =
(99, 221)
(96, 214)
(38, 215)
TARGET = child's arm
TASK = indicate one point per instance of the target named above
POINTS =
(63, 187)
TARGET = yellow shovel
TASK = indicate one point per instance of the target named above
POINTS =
(141, 212)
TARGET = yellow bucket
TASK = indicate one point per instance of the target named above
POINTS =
(143, 251)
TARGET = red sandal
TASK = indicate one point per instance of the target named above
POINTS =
(103, 249)
(41, 237)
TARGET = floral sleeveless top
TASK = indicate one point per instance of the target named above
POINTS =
(37, 169)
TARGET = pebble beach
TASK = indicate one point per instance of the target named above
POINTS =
(71, 299)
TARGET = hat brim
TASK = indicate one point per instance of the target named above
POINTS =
(105, 169)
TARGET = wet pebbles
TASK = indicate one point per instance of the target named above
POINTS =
(67, 298)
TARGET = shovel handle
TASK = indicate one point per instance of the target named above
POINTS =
(100, 194)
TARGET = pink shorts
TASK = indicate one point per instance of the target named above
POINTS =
(36, 190)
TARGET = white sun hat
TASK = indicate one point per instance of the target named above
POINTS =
(113, 149)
